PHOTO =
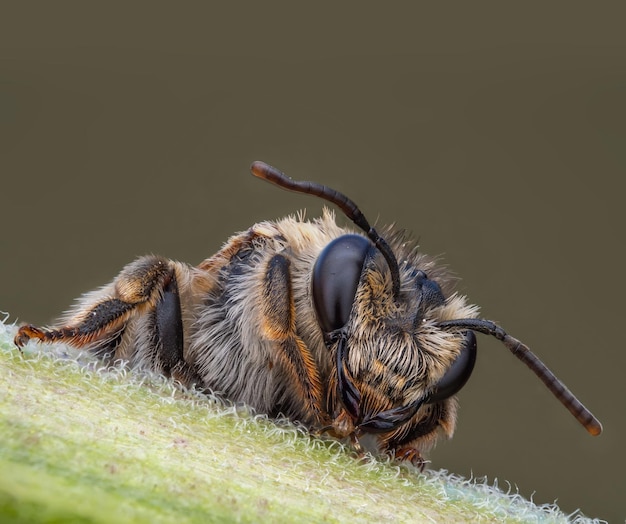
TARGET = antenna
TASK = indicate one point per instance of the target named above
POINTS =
(350, 209)
(522, 351)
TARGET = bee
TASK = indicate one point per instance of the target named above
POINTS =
(351, 333)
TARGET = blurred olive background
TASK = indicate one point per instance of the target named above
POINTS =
(496, 135)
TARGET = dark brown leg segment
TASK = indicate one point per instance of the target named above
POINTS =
(168, 324)
(169, 336)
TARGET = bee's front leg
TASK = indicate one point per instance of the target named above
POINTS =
(411, 455)
(423, 432)
(278, 326)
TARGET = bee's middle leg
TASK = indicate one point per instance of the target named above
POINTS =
(279, 327)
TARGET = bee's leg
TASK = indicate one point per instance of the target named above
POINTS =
(146, 296)
(279, 327)
(167, 344)
(412, 455)
(167, 335)
(421, 435)
(100, 325)
(102, 316)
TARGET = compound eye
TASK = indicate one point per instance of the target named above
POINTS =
(335, 279)
(458, 373)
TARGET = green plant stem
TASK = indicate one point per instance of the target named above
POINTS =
(80, 443)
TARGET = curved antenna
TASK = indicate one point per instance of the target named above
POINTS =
(350, 209)
(522, 351)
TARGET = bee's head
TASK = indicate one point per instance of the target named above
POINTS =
(398, 340)
(391, 356)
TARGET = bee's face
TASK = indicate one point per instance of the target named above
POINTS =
(390, 353)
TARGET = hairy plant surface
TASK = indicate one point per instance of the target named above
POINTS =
(83, 443)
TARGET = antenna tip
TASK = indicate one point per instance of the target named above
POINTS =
(259, 169)
(594, 427)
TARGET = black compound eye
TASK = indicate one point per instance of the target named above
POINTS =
(335, 279)
(459, 372)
